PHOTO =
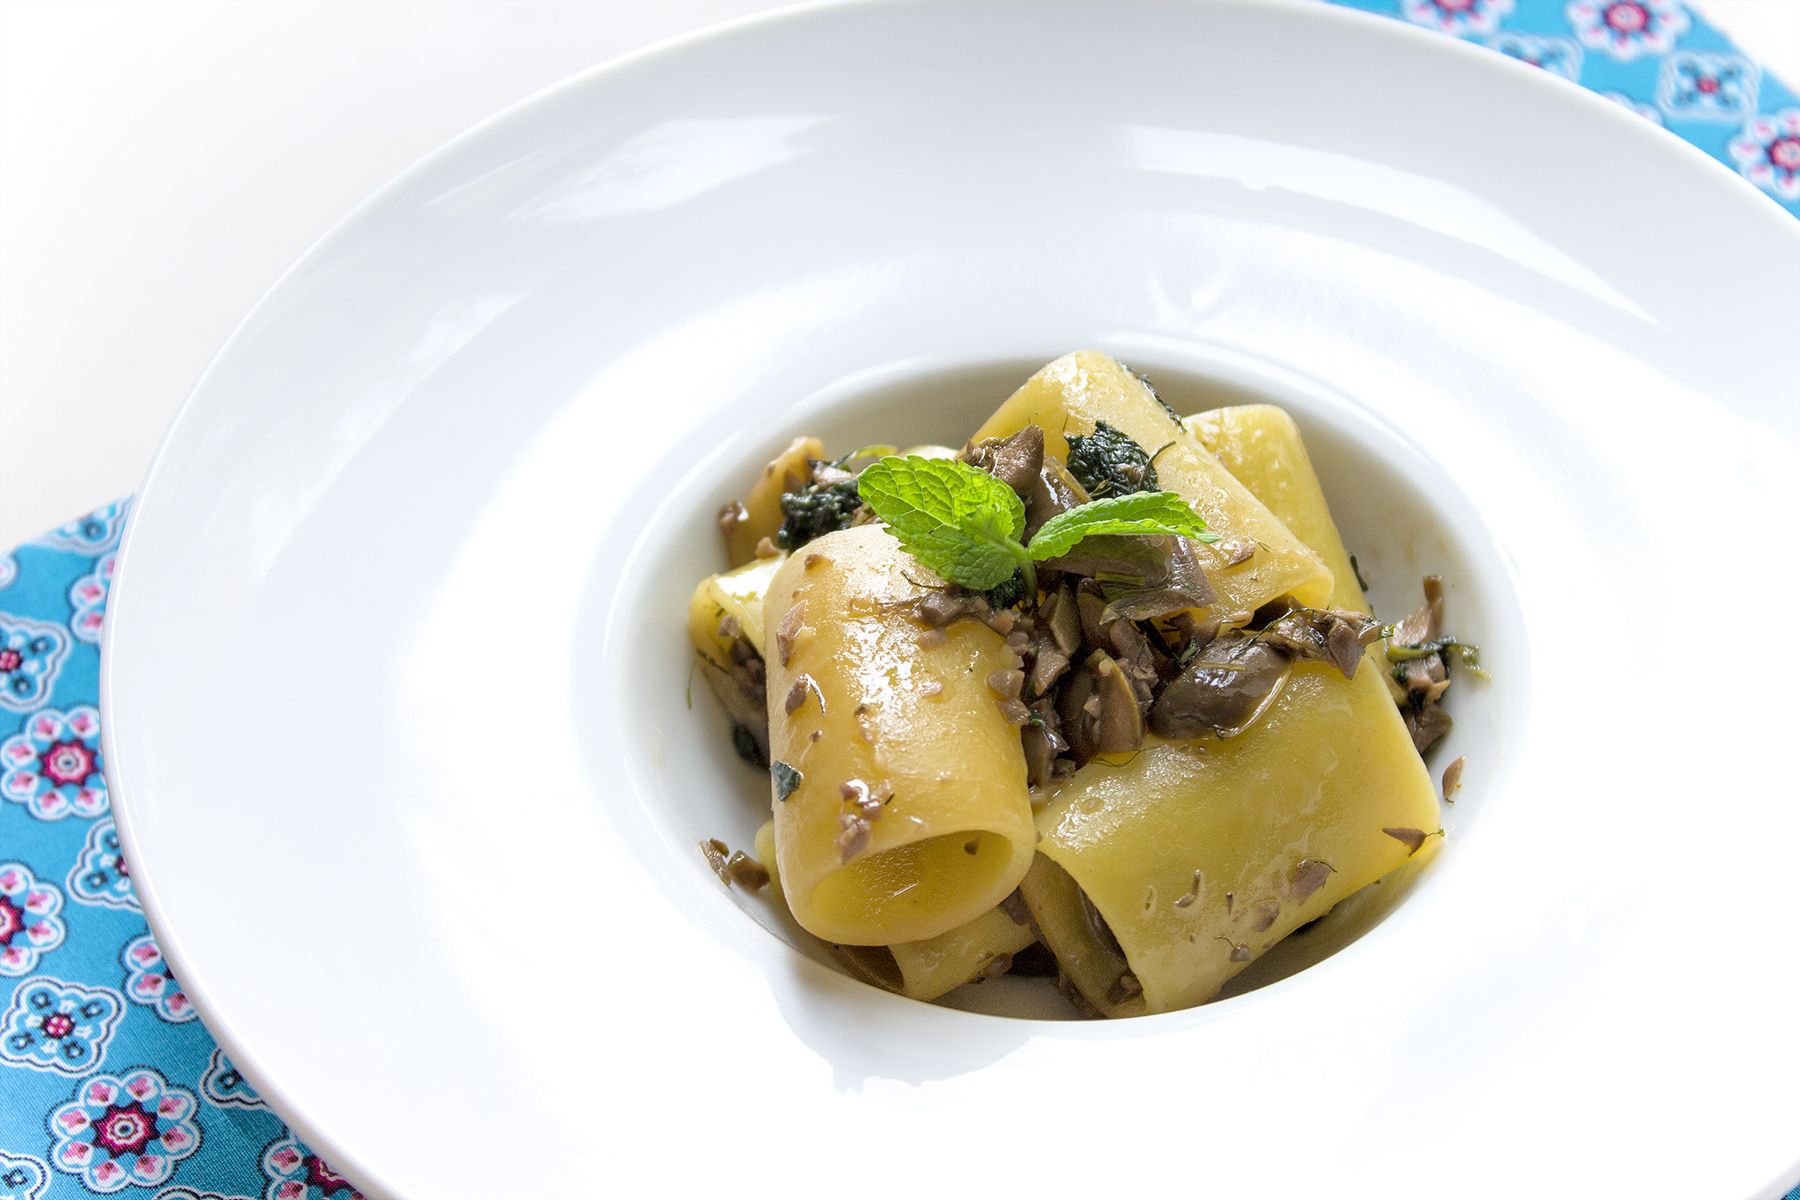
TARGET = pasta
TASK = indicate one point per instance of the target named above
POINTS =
(1102, 687)
(928, 969)
(1201, 856)
(759, 516)
(883, 839)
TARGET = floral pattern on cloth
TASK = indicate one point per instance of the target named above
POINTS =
(85, 995)
(99, 875)
(54, 1025)
(225, 1086)
(1460, 17)
(29, 926)
(296, 1173)
(1559, 56)
(1627, 28)
(148, 980)
(124, 1131)
(94, 533)
(88, 596)
(31, 655)
(199, 1131)
(1708, 87)
(54, 767)
(22, 1177)
(1767, 153)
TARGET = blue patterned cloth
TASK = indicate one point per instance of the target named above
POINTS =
(109, 1083)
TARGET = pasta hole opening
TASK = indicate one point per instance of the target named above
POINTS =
(1082, 940)
(872, 964)
(925, 887)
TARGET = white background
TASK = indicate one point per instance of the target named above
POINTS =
(163, 161)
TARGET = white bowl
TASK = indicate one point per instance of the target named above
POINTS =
(395, 680)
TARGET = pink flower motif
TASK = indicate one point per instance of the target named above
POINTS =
(100, 875)
(29, 924)
(88, 596)
(296, 1173)
(31, 656)
(54, 767)
(1767, 153)
(148, 981)
(67, 762)
(1457, 17)
(124, 1132)
(126, 1129)
(1628, 28)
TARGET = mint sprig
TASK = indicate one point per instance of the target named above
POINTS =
(968, 526)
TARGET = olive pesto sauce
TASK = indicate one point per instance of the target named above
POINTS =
(1111, 648)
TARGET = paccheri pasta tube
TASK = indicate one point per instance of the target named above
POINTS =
(1165, 872)
(926, 970)
(901, 807)
(1112, 659)
(725, 625)
(1260, 445)
(1078, 393)
(760, 516)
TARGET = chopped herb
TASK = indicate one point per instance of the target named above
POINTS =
(787, 780)
(1357, 571)
(816, 510)
(1467, 652)
(1006, 594)
(1108, 463)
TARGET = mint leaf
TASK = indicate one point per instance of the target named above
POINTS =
(787, 779)
(959, 521)
(1139, 513)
